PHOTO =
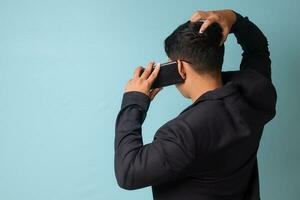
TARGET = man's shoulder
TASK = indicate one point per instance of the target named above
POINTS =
(258, 90)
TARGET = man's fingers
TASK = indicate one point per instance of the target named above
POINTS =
(137, 72)
(154, 92)
(147, 71)
(198, 16)
(225, 35)
(154, 73)
(206, 23)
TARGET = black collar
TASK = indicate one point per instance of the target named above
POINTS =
(217, 93)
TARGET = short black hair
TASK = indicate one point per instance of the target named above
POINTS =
(202, 50)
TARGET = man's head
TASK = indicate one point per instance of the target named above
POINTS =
(203, 52)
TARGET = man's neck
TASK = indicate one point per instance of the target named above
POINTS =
(202, 84)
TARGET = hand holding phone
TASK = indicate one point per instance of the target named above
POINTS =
(167, 75)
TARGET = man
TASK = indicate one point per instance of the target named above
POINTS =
(209, 151)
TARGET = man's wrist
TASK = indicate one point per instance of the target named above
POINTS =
(235, 25)
(136, 98)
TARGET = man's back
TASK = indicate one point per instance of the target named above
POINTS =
(227, 130)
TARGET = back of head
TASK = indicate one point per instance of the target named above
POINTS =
(202, 50)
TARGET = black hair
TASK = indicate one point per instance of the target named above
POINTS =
(202, 50)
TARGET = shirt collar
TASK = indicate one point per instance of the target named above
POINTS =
(217, 93)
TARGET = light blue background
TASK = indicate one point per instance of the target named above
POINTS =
(63, 68)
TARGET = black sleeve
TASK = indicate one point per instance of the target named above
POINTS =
(254, 44)
(137, 165)
(254, 76)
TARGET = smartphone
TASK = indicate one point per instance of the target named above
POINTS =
(167, 75)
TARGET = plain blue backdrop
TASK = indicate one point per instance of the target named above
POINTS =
(63, 68)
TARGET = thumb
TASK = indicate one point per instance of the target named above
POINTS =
(154, 92)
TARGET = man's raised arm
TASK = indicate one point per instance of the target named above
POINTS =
(254, 44)
(252, 40)
(254, 77)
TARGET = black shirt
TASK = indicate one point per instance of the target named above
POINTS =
(209, 151)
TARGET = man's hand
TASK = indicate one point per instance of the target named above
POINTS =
(143, 83)
(226, 18)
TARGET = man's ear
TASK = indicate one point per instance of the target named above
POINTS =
(181, 69)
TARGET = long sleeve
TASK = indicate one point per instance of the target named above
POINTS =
(138, 165)
(254, 76)
(254, 44)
